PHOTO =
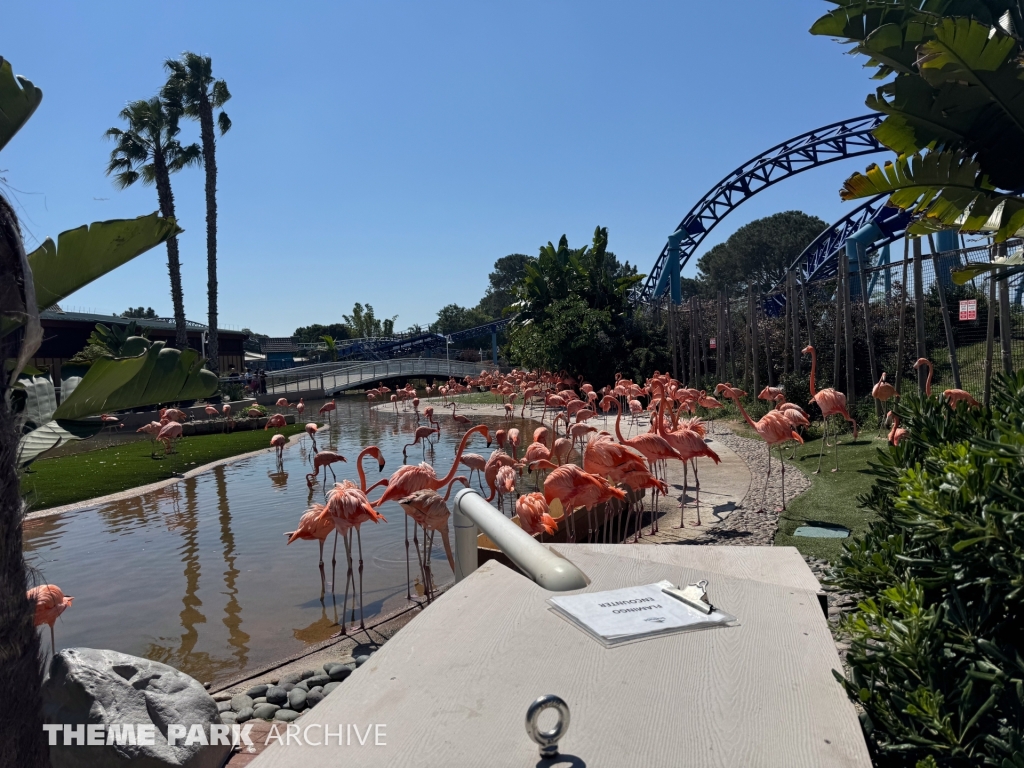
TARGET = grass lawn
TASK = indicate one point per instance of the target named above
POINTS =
(832, 497)
(82, 476)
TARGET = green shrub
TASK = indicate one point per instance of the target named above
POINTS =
(935, 658)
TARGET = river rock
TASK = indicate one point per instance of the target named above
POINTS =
(240, 702)
(259, 700)
(287, 686)
(265, 711)
(243, 715)
(222, 696)
(229, 718)
(223, 706)
(314, 697)
(257, 690)
(360, 660)
(340, 671)
(330, 687)
(308, 673)
(297, 699)
(301, 686)
(90, 686)
(342, 660)
(286, 715)
(313, 682)
(292, 677)
(277, 695)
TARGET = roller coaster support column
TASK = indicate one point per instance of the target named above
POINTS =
(856, 249)
(675, 241)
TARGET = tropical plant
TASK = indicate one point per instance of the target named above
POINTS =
(143, 313)
(935, 658)
(192, 91)
(29, 283)
(573, 313)
(365, 324)
(148, 150)
(332, 347)
(954, 108)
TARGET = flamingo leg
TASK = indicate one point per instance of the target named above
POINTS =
(682, 501)
(767, 477)
(837, 450)
(359, 539)
(696, 480)
(344, 600)
(323, 577)
(419, 559)
(408, 575)
(824, 440)
(783, 479)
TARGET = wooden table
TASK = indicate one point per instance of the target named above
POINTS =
(452, 688)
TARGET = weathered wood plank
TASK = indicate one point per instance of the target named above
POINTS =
(453, 686)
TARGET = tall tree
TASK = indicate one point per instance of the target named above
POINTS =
(191, 90)
(365, 324)
(508, 271)
(149, 151)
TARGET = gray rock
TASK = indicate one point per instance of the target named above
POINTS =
(88, 686)
(222, 696)
(314, 697)
(297, 699)
(301, 687)
(360, 660)
(223, 706)
(340, 671)
(277, 695)
(316, 680)
(243, 715)
(286, 715)
(265, 711)
(330, 687)
(292, 677)
(317, 688)
(240, 702)
(259, 700)
(307, 673)
(257, 690)
(228, 718)
(287, 686)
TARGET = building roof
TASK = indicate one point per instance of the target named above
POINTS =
(161, 323)
(278, 344)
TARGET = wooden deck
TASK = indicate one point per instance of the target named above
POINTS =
(452, 688)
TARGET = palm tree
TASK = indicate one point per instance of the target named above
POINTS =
(332, 346)
(149, 151)
(192, 91)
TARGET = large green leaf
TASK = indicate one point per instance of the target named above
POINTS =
(52, 434)
(18, 100)
(160, 375)
(81, 255)
(40, 400)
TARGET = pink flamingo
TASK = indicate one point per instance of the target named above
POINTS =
(953, 396)
(775, 430)
(275, 421)
(882, 392)
(458, 418)
(575, 488)
(279, 441)
(505, 483)
(327, 408)
(831, 402)
(211, 412)
(496, 461)
(316, 525)
(311, 430)
(349, 508)
(428, 412)
(169, 434)
(282, 402)
(422, 433)
(300, 408)
(532, 511)
(325, 459)
(708, 403)
(375, 452)
(897, 432)
(228, 421)
(429, 511)
(513, 441)
(474, 462)
(50, 602)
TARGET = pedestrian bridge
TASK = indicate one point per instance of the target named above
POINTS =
(330, 380)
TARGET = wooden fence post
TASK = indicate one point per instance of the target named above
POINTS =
(864, 298)
(922, 349)
(900, 347)
(848, 327)
(759, 308)
(797, 366)
(785, 332)
(755, 368)
(946, 321)
(807, 313)
(990, 336)
(729, 332)
(1005, 323)
(839, 324)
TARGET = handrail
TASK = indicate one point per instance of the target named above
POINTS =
(549, 570)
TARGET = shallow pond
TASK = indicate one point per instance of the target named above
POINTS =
(197, 574)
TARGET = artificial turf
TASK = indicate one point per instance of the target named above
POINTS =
(832, 497)
(82, 476)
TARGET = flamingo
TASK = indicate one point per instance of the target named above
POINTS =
(300, 407)
(532, 510)
(774, 428)
(282, 402)
(882, 392)
(573, 487)
(513, 441)
(349, 508)
(325, 459)
(619, 463)
(561, 449)
(897, 432)
(316, 525)
(953, 396)
(211, 412)
(277, 420)
(708, 403)
(428, 412)
(428, 510)
(458, 418)
(831, 402)
(541, 435)
(228, 421)
(496, 461)
(279, 441)
(370, 450)
(328, 408)
(311, 430)
(50, 602)
(421, 434)
(152, 429)
(168, 434)
(505, 484)
(475, 463)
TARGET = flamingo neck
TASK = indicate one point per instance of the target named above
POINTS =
(743, 410)
(458, 457)
(814, 366)
(359, 468)
(618, 420)
(928, 383)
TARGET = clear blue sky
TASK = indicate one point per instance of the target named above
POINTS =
(389, 152)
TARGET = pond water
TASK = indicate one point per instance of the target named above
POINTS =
(197, 574)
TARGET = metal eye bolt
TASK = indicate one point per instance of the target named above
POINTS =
(547, 740)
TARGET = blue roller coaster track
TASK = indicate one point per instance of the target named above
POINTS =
(411, 346)
(838, 141)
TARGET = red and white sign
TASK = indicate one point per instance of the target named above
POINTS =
(969, 309)
(713, 344)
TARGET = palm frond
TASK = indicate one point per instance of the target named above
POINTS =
(223, 123)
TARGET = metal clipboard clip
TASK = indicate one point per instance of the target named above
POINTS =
(694, 595)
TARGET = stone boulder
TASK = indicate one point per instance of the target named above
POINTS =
(87, 686)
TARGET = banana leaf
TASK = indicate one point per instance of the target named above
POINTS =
(159, 375)
(52, 434)
(40, 400)
(18, 100)
(81, 255)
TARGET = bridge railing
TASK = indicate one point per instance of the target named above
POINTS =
(336, 377)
